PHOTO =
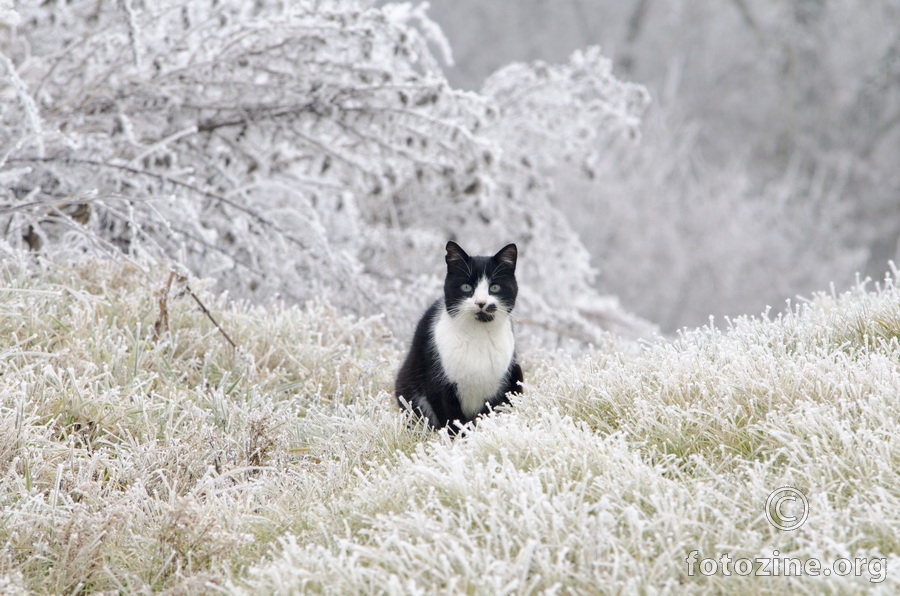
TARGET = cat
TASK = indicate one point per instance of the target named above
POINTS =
(462, 361)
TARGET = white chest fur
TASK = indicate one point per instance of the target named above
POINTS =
(475, 356)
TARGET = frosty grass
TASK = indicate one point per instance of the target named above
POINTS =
(137, 459)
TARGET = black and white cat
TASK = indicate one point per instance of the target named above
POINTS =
(462, 361)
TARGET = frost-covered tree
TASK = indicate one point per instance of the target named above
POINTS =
(758, 101)
(309, 149)
(679, 240)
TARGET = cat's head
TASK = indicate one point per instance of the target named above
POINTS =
(480, 287)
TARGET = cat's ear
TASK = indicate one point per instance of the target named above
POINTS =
(455, 253)
(507, 256)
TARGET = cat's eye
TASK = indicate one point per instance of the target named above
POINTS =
(494, 288)
(466, 287)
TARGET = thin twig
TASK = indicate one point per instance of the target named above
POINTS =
(209, 314)
(162, 323)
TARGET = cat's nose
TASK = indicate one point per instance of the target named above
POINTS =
(480, 304)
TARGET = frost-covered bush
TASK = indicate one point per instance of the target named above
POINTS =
(303, 148)
(554, 117)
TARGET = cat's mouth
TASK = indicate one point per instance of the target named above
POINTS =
(486, 313)
(484, 317)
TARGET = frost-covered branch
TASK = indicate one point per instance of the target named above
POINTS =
(298, 149)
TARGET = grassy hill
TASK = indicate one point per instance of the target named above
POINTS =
(141, 452)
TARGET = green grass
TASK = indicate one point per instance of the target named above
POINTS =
(136, 461)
